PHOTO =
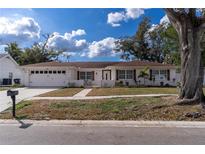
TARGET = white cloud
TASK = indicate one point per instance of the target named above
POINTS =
(74, 33)
(133, 13)
(103, 47)
(68, 41)
(18, 30)
(164, 20)
(115, 18)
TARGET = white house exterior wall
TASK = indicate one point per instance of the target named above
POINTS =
(7, 65)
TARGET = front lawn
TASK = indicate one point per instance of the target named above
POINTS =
(5, 88)
(139, 108)
(64, 92)
(131, 91)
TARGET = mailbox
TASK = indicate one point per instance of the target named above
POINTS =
(12, 92)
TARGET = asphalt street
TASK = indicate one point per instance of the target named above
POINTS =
(92, 135)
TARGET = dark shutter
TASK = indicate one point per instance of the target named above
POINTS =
(134, 75)
(93, 72)
(102, 74)
(150, 74)
(110, 75)
(116, 74)
(78, 75)
(168, 75)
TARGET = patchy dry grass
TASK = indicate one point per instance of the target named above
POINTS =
(5, 88)
(131, 91)
(65, 92)
(154, 108)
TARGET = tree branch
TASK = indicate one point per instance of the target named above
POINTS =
(172, 15)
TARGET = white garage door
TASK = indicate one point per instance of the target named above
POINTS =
(48, 80)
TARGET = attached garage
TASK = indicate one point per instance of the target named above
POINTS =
(48, 78)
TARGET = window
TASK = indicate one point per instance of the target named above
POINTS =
(89, 75)
(159, 74)
(155, 72)
(63, 72)
(37, 72)
(121, 74)
(45, 72)
(129, 74)
(86, 76)
(32, 72)
(54, 72)
(125, 74)
(163, 74)
(50, 72)
(41, 72)
(82, 76)
(59, 72)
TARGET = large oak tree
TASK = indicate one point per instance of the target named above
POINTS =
(190, 27)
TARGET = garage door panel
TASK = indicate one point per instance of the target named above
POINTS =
(49, 80)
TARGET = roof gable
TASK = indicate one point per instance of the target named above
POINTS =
(9, 57)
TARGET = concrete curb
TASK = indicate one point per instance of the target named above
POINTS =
(168, 124)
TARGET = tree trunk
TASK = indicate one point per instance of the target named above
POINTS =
(192, 71)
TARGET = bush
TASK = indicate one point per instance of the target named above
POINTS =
(119, 84)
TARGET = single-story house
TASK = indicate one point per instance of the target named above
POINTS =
(10, 71)
(86, 74)
(98, 74)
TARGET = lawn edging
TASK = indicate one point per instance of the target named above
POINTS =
(106, 123)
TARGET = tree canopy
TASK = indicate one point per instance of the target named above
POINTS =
(152, 43)
(37, 53)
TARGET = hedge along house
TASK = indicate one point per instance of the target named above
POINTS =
(98, 74)
(10, 71)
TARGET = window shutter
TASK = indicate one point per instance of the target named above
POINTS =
(93, 72)
(168, 75)
(116, 74)
(134, 75)
(78, 75)
(150, 74)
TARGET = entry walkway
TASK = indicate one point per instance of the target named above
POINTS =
(82, 93)
(98, 97)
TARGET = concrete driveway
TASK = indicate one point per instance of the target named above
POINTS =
(24, 93)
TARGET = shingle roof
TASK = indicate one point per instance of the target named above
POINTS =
(96, 64)
(141, 63)
(2, 55)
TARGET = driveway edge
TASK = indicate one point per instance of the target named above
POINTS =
(109, 123)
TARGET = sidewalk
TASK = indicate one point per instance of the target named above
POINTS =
(80, 97)
(105, 123)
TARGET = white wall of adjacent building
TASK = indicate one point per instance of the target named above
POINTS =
(8, 69)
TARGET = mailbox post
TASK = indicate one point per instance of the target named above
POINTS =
(12, 94)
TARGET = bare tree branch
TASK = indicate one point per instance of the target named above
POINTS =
(172, 14)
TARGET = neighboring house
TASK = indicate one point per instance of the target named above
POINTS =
(97, 74)
(10, 72)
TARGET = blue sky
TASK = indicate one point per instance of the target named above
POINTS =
(93, 33)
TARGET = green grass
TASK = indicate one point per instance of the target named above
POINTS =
(11, 87)
(139, 108)
(4, 88)
(131, 91)
(64, 92)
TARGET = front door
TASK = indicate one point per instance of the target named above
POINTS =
(106, 75)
